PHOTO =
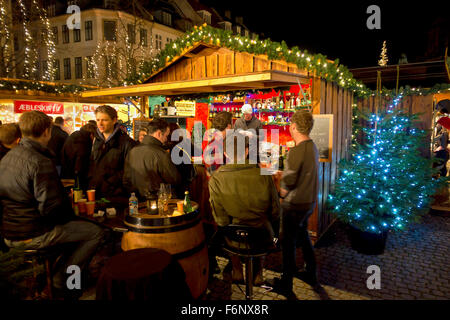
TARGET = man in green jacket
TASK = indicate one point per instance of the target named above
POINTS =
(239, 194)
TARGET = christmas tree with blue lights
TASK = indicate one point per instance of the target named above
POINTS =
(387, 183)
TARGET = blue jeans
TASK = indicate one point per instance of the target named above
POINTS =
(86, 234)
(293, 232)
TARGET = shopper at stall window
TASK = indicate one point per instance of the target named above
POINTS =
(441, 151)
(248, 122)
(10, 136)
(149, 164)
(76, 154)
(213, 155)
(239, 194)
(142, 133)
(110, 148)
(37, 213)
(299, 189)
(185, 168)
(57, 141)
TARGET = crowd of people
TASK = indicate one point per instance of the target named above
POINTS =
(37, 153)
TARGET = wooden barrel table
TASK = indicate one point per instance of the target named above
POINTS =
(179, 234)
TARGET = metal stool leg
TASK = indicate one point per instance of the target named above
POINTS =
(49, 279)
(249, 278)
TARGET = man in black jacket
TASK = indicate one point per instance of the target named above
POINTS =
(57, 141)
(149, 164)
(36, 211)
(76, 154)
(110, 148)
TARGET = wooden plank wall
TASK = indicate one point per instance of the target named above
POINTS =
(222, 62)
(328, 98)
(412, 104)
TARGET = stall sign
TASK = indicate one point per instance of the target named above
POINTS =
(185, 108)
(46, 107)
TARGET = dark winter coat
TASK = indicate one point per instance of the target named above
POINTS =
(147, 166)
(76, 156)
(31, 193)
(107, 163)
(56, 143)
(3, 151)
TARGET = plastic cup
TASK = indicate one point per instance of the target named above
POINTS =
(90, 207)
(82, 205)
(180, 206)
(91, 195)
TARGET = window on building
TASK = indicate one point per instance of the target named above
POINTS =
(78, 68)
(89, 68)
(158, 43)
(143, 33)
(51, 10)
(76, 35)
(88, 30)
(131, 33)
(237, 30)
(55, 34)
(246, 33)
(45, 70)
(65, 34)
(225, 25)
(67, 73)
(16, 42)
(109, 30)
(57, 70)
(110, 4)
(166, 18)
(206, 16)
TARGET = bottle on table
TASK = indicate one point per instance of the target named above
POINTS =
(187, 207)
(77, 191)
(133, 204)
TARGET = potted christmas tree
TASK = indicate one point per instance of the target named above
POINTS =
(387, 183)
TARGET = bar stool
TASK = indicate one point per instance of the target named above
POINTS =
(48, 257)
(247, 242)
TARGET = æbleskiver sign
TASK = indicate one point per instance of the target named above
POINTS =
(21, 106)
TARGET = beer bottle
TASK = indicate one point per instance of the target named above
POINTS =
(77, 192)
(187, 207)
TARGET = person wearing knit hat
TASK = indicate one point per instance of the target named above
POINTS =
(248, 120)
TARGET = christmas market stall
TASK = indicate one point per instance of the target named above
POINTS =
(209, 70)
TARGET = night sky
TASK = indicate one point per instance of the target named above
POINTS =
(338, 29)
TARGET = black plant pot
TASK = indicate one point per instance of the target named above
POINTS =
(367, 242)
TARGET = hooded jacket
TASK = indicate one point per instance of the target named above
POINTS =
(147, 166)
(32, 196)
(108, 161)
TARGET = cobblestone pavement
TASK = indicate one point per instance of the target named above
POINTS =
(413, 266)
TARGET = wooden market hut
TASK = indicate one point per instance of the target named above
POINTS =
(208, 68)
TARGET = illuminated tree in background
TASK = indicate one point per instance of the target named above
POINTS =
(119, 62)
(27, 24)
(387, 184)
(383, 56)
